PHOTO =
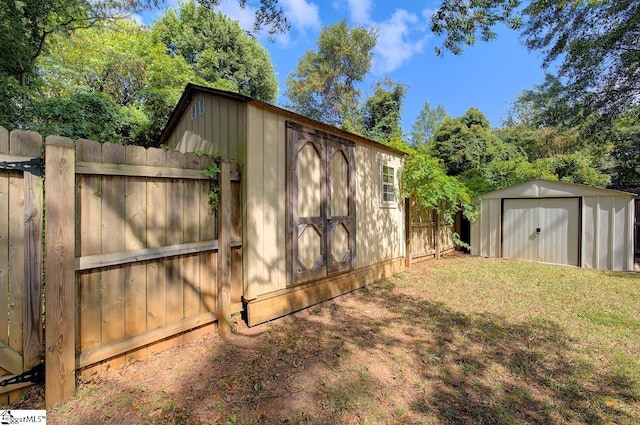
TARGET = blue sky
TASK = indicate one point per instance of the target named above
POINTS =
(487, 76)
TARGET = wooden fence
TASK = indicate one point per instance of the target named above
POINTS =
(135, 258)
(427, 236)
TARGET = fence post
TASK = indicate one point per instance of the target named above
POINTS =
(436, 219)
(224, 250)
(407, 232)
(59, 270)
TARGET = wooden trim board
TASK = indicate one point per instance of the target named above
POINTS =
(97, 355)
(109, 169)
(89, 262)
(269, 306)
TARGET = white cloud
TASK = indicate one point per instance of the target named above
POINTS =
(360, 11)
(395, 45)
(302, 15)
(245, 16)
(427, 13)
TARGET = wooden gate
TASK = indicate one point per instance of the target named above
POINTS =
(21, 195)
(134, 257)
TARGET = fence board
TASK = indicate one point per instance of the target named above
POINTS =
(32, 319)
(176, 223)
(156, 238)
(224, 252)
(146, 254)
(135, 239)
(16, 259)
(25, 254)
(59, 269)
(4, 242)
(4, 140)
(113, 214)
(191, 233)
(89, 242)
(208, 231)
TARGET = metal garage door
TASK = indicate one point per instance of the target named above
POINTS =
(546, 230)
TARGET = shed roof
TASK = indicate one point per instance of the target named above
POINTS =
(540, 188)
(192, 89)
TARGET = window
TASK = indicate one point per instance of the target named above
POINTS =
(388, 186)
(197, 108)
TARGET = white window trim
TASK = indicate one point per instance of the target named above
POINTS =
(383, 184)
(197, 108)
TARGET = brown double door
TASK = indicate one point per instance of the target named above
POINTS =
(321, 204)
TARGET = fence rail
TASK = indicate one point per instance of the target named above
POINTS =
(134, 255)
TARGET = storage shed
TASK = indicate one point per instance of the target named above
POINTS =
(320, 213)
(555, 222)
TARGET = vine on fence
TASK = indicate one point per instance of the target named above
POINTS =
(212, 172)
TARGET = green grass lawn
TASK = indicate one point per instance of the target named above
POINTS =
(459, 341)
(522, 342)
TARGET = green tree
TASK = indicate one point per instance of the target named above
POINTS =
(626, 152)
(323, 85)
(467, 143)
(546, 105)
(426, 124)
(123, 61)
(92, 116)
(27, 25)
(382, 112)
(425, 180)
(219, 50)
(24, 30)
(594, 41)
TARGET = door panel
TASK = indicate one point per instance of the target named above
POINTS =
(340, 211)
(546, 230)
(519, 224)
(558, 219)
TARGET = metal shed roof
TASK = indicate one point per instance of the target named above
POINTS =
(540, 188)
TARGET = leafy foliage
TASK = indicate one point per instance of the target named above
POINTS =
(382, 112)
(84, 115)
(425, 180)
(220, 52)
(426, 124)
(126, 63)
(626, 135)
(466, 143)
(323, 85)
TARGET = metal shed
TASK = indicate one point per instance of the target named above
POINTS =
(555, 222)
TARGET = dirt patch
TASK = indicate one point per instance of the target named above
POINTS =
(394, 352)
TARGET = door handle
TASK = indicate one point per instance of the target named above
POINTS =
(537, 230)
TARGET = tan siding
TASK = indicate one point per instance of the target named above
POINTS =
(281, 269)
(253, 178)
(271, 213)
(379, 233)
(220, 131)
(256, 137)
(265, 205)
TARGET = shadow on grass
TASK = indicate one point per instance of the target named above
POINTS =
(486, 369)
(323, 366)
